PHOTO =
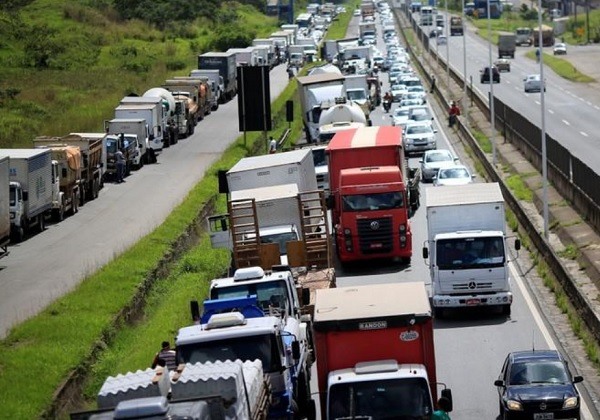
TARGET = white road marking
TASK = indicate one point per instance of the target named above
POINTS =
(537, 102)
(589, 103)
(583, 133)
(566, 122)
(596, 106)
(550, 111)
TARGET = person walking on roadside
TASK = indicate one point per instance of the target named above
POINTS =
(453, 112)
(444, 407)
(272, 145)
(432, 83)
(166, 355)
(120, 163)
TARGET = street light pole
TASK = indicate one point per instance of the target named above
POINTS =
(542, 105)
(491, 81)
(447, 31)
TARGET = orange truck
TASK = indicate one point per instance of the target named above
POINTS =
(369, 199)
(375, 352)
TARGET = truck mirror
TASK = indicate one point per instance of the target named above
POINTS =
(64, 172)
(25, 195)
(195, 310)
(305, 296)
(447, 393)
(329, 202)
(425, 253)
(517, 244)
(296, 350)
(223, 225)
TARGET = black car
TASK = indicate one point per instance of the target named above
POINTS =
(485, 75)
(537, 385)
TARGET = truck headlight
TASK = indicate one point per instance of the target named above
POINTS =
(514, 405)
(571, 402)
(347, 232)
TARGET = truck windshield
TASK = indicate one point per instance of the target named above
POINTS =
(370, 202)
(111, 146)
(319, 157)
(262, 347)
(12, 196)
(397, 399)
(357, 95)
(470, 253)
(268, 294)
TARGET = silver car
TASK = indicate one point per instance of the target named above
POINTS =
(453, 175)
(418, 137)
(533, 83)
(434, 160)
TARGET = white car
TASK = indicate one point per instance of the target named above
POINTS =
(419, 90)
(400, 116)
(441, 40)
(533, 83)
(453, 175)
(560, 48)
(356, 12)
(420, 114)
(433, 161)
(418, 137)
(398, 92)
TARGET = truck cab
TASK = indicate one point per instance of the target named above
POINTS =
(128, 143)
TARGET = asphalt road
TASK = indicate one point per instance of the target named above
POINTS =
(49, 264)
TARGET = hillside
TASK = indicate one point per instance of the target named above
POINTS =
(65, 64)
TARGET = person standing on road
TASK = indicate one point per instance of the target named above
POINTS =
(453, 112)
(444, 407)
(120, 163)
(432, 83)
(538, 53)
(166, 355)
(272, 145)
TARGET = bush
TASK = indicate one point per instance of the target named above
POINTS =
(176, 65)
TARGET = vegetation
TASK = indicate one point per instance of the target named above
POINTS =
(64, 65)
(563, 68)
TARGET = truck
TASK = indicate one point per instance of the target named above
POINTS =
(467, 256)
(206, 98)
(152, 107)
(507, 42)
(456, 26)
(176, 112)
(296, 54)
(236, 328)
(93, 160)
(340, 115)
(547, 36)
(312, 91)
(195, 91)
(270, 46)
(367, 29)
(33, 177)
(4, 205)
(228, 389)
(370, 200)
(375, 352)
(367, 8)
(217, 85)
(153, 114)
(245, 56)
(357, 90)
(225, 63)
(136, 131)
(523, 36)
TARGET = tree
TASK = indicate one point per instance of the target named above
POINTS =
(40, 45)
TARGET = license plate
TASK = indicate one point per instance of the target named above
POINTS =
(473, 302)
(543, 416)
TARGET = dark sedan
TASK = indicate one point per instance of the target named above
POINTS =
(537, 385)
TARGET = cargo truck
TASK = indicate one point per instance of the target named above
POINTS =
(375, 352)
(93, 160)
(173, 113)
(137, 132)
(313, 90)
(153, 114)
(216, 84)
(357, 90)
(69, 162)
(33, 178)
(207, 100)
(340, 115)
(456, 26)
(197, 90)
(507, 44)
(228, 389)
(547, 36)
(466, 247)
(244, 56)
(236, 328)
(225, 63)
(4, 205)
(369, 199)
(523, 36)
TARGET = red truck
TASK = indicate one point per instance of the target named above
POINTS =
(375, 352)
(369, 198)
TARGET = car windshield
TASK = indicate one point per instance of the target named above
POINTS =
(420, 115)
(486, 252)
(400, 112)
(400, 399)
(268, 294)
(438, 157)
(538, 372)
(381, 201)
(453, 173)
(418, 129)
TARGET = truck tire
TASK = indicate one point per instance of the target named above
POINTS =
(41, 223)
(95, 188)
(295, 410)
(18, 234)
(82, 197)
(58, 215)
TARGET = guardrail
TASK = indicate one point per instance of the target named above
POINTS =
(576, 297)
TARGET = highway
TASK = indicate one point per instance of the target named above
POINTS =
(572, 109)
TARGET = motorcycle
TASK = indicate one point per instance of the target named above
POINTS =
(387, 104)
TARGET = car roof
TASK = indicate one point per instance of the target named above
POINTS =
(535, 355)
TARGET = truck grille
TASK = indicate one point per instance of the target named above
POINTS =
(375, 236)
(467, 286)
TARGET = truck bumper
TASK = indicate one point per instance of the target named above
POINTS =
(463, 301)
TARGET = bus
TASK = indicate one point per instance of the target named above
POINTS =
(481, 7)
(304, 20)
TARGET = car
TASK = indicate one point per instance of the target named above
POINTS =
(560, 48)
(398, 92)
(484, 76)
(400, 116)
(418, 137)
(420, 114)
(537, 384)
(433, 161)
(418, 90)
(453, 175)
(502, 64)
(356, 12)
(533, 83)
(441, 40)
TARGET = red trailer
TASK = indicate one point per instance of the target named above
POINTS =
(375, 351)
(370, 204)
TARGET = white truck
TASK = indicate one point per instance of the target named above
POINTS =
(245, 56)
(467, 247)
(4, 205)
(269, 44)
(313, 90)
(223, 390)
(137, 127)
(176, 112)
(153, 114)
(338, 116)
(33, 178)
(216, 84)
(296, 53)
(357, 90)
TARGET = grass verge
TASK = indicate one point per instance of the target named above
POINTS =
(563, 68)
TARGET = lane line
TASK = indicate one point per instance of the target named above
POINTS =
(566, 122)
(583, 133)
(550, 111)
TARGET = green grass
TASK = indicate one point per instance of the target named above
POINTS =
(570, 252)
(339, 27)
(563, 68)
(519, 188)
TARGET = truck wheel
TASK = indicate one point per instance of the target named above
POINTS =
(82, 197)
(18, 233)
(41, 223)
(58, 214)
(95, 188)
(506, 310)
(141, 165)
